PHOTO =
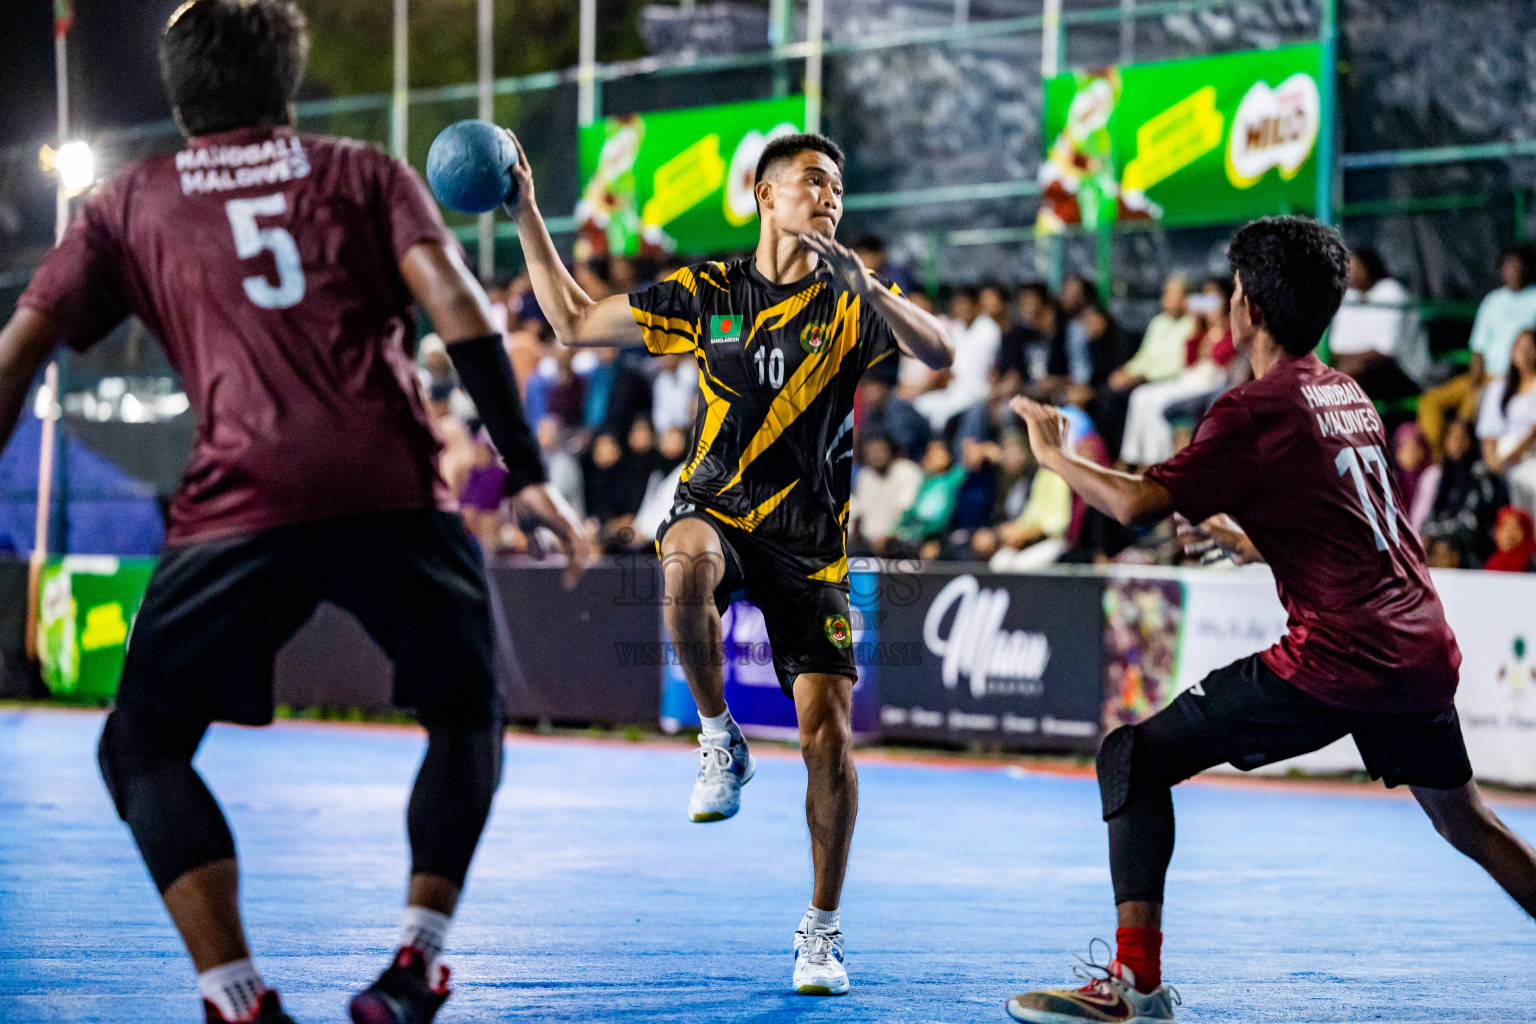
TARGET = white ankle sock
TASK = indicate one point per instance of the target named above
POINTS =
(720, 725)
(820, 921)
(233, 988)
(427, 930)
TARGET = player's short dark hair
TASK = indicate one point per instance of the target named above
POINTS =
(787, 147)
(1293, 269)
(232, 64)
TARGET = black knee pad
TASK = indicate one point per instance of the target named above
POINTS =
(1114, 765)
(147, 768)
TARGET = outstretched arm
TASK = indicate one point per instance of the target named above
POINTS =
(577, 319)
(1125, 497)
(25, 345)
(918, 333)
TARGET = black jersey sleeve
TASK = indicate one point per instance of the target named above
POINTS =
(668, 314)
(877, 343)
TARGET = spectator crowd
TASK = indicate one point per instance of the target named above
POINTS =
(943, 468)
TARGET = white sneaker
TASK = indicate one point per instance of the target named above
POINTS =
(1110, 995)
(723, 770)
(819, 969)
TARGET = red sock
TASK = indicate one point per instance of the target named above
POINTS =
(1141, 949)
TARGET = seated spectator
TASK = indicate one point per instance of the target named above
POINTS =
(1514, 537)
(1051, 521)
(977, 496)
(1507, 423)
(1374, 329)
(1161, 357)
(1208, 354)
(1467, 498)
(558, 445)
(976, 337)
(555, 389)
(882, 411)
(614, 487)
(674, 392)
(482, 495)
(924, 522)
(1418, 476)
(1077, 295)
(1503, 314)
(672, 449)
(1023, 353)
(884, 487)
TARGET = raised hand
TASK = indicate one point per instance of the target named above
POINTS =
(522, 176)
(1048, 427)
(544, 505)
(840, 263)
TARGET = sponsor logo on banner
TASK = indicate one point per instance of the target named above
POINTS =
(995, 661)
(1273, 128)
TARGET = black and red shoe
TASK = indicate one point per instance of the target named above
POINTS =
(269, 1010)
(403, 994)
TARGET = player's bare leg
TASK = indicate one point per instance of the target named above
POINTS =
(824, 705)
(692, 566)
(204, 904)
(1469, 824)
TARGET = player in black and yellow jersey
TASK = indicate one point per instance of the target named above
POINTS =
(781, 340)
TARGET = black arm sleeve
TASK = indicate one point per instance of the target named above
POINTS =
(486, 373)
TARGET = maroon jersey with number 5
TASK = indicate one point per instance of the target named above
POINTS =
(267, 263)
(1299, 458)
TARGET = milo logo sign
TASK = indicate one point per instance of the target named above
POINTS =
(1273, 128)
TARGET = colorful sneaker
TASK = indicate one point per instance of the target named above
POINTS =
(819, 969)
(723, 770)
(269, 1010)
(403, 994)
(1110, 995)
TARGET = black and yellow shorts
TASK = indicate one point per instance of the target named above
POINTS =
(809, 628)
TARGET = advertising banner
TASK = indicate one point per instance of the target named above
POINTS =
(88, 606)
(678, 180)
(1207, 141)
(1494, 617)
(1005, 660)
(1165, 631)
(752, 689)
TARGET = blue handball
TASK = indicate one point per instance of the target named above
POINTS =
(469, 167)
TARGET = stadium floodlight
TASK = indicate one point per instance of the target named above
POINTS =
(76, 165)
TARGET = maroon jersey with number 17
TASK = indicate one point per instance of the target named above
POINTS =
(267, 263)
(1300, 460)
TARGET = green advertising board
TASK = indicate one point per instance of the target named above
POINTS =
(679, 180)
(87, 611)
(1208, 141)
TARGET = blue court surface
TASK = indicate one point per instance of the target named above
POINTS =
(593, 898)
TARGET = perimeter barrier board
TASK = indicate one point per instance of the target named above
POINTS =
(1005, 661)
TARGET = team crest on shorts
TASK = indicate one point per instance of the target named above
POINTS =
(814, 337)
(839, 632)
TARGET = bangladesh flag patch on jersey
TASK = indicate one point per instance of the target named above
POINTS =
(839, 632)
(724, 328)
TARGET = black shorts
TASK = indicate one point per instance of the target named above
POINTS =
(809, 629)
(1246, 715)
(216, 613)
